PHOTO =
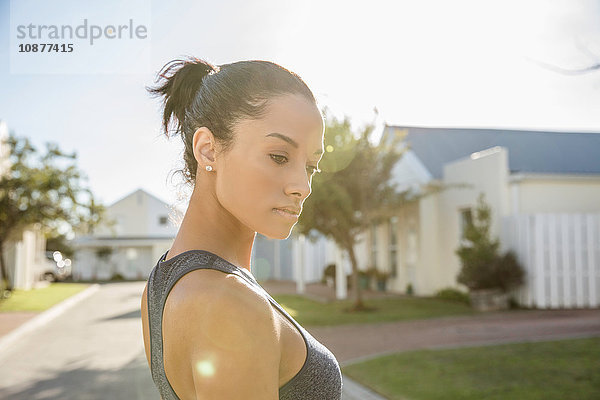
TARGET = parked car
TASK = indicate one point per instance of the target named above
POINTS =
(56, 268)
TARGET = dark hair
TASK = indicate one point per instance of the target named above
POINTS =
(197, 93)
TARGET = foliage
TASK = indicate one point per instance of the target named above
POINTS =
(45, 191)
(382, 275)
(371, 272)
(329, 271)
(452, 294)
(478, 254)
(104, 253)
(117, 277)
(482, 266)
(507, 271)
(364, 274)
(353, 190)
(58, 242)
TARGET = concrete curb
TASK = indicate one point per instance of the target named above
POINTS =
(45, 317)
(352, 390)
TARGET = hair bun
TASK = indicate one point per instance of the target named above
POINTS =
(181, 80)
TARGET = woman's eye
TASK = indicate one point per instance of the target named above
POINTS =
(279, 159)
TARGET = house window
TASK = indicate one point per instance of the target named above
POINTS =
(162, 220)
(466, 218)
(373, 245)
(393, 225)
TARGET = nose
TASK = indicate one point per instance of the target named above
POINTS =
(298, 185)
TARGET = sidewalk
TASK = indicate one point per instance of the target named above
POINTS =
(10, 320)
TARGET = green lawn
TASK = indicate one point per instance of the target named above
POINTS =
(40, 299)
(310, 312)
(564, 369)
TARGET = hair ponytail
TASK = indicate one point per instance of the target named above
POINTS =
(181, 82)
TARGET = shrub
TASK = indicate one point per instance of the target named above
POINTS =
(104, 253)
(371, 272)
(452, 294)
(482, 267)
(382, 275)
(117, 277)
(329, 271)
(507, 273)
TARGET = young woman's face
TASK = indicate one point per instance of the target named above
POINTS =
(270, 166)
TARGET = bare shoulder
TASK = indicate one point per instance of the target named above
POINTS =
(223, 328)
(201, 288)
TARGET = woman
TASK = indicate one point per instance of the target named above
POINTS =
(253, 137)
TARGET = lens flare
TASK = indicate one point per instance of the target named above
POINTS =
(205, 368)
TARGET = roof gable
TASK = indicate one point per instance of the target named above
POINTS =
(139, 192)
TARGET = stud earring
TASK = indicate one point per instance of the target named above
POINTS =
(209, 168)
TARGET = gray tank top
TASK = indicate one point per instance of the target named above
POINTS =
(319, 378)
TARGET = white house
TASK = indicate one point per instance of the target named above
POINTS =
(144, 228)
(544, 192)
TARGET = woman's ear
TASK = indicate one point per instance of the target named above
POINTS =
(203, 144)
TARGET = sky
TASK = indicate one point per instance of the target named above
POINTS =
(477, 64)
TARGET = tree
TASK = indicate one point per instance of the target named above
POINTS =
(352, 191)
(479, 251)
(58, 242)
(482, 266)
(47, 191)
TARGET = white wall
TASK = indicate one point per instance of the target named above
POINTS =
(24, 255)
(551, 194)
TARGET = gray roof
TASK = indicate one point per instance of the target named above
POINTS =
(528, 151)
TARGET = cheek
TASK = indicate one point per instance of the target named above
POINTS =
(247, 187)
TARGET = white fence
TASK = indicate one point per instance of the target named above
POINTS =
(561, 256)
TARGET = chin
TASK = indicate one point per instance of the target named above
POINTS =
(279, 235)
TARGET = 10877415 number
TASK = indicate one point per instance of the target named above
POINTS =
(47, 47)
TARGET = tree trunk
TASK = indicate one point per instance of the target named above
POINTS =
(6, 285)
(358, 303)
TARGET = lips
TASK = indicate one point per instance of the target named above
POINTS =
(290, 210)
(286, 214)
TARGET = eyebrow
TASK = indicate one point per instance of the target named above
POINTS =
(291, 141)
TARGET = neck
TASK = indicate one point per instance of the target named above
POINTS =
(208, 226)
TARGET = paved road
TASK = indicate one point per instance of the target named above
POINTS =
(92, 351)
